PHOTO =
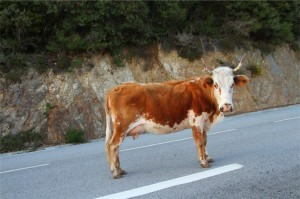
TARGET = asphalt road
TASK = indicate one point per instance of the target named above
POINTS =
(257, 155)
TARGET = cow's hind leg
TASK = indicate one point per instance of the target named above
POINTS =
(113, 153)
(200, 140)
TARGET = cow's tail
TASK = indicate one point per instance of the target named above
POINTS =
(109, 131)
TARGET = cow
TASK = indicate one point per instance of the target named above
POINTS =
(162, 108)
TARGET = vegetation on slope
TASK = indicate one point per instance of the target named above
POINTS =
(47, 34)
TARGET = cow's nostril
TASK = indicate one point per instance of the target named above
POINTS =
(226, 108)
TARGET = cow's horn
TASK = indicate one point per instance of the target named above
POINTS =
(206, 68)
(240, 64)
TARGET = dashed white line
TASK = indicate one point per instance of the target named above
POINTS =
(160, 143)
(171, 183)
(292, 118)
(221, 132)
(228, 119)
(31, 167)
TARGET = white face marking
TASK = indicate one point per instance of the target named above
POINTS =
(223, 85)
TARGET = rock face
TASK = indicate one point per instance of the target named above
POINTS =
(53, 103)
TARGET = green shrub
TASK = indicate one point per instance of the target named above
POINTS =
(14, 75)
(118, 61)
(75, 136)
(295, 46)
(64, 62)
(68, 28)
(40, 63)
(14, 65)
(119, 57)
(255, 69)
(76, 62)
(49, 107)
(190, 52)
(20, 141)
(227, 44)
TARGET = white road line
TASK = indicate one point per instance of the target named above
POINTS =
(160, 143)
(221, 132)
(171, 183)
(292, 118)
(9, 171)
(227, 119)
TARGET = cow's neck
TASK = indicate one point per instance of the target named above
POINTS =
(208, 93)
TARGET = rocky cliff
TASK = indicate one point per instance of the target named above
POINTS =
(52, 103)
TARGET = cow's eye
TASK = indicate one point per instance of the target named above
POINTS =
(216, 85)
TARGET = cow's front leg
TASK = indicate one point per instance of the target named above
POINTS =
(200, 142)
(207, 157)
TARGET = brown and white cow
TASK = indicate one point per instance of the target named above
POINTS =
(162, 108)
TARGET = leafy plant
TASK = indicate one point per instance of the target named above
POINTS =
(255, 69)
(20, 141)
(118, 61)
(40, 63)
(75, 136)
(14, 75)
(119, 57)
(227, 44)
(188, 47)
(76, 62)
(69, 28)
(64, 62)
(14, 65)
(49, 107)
(295, 46)
(190, 52)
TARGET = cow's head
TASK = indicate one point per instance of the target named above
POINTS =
(222, 80)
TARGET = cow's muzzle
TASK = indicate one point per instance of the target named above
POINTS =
(226, 108)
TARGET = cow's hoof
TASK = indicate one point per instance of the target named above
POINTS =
(123, 172)
(210, 160)
(118, 173)
(117, 176)
(204, 164)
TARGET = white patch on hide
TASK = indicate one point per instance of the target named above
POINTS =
(141, 125)
(202, 122)
(216, 119)
(197, 121)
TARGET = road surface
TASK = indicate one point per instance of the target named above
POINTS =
(257, 155)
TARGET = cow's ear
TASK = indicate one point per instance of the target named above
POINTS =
(241, 80)
(208, 81)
